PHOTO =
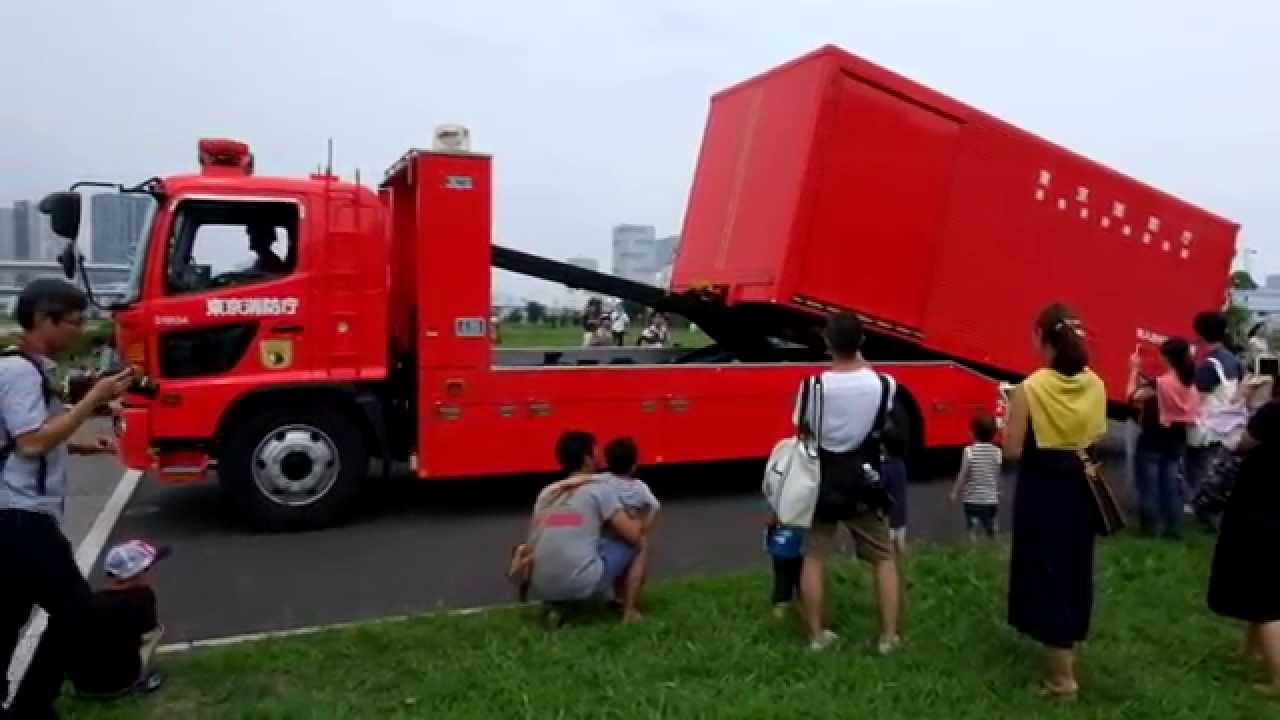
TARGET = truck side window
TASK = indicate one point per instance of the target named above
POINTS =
(224, 243)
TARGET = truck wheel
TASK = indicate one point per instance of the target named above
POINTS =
(292, 469)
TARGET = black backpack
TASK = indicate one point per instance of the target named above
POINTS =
(846, 488)
(10, 444)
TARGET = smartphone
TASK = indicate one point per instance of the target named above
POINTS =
(1267, 365)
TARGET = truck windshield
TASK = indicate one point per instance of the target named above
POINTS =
(126, 232)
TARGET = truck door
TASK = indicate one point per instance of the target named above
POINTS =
(232, 301)
(883, 179)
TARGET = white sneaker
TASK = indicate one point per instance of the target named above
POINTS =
(889, 645)
(823, 642)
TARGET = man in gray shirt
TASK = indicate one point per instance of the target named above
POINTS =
(36, 429)
(572, 558)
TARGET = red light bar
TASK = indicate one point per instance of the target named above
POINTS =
(220, 156)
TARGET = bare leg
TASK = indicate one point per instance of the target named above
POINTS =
(1060, 672)
(888, 597)
(811, 581)
(1252, 642)
(150, 641)
(1269, 640)
(634, 583)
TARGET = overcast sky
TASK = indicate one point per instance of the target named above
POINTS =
(594, 109)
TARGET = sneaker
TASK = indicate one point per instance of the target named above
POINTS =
(152, 682)
(823, 642)
(552, 618)
(889, 645)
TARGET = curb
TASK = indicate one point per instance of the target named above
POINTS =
(230, 640)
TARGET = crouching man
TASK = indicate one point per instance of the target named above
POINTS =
(113, 658)
(573, 558)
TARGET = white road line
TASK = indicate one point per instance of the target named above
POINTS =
(86, 555)
(91, 546)
(182, 647)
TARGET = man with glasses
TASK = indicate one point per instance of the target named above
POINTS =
(36, 430)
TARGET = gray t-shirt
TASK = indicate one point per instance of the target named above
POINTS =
(22, 410)
(635, 495)
(566, 542)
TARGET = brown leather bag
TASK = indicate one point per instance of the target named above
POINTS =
(1109, 516)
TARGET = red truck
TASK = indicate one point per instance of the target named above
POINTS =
(291, 330)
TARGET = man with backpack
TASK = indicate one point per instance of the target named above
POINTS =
(37, 429)
(847, 410)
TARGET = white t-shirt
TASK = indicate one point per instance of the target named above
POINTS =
(620, 321)
(849, 404)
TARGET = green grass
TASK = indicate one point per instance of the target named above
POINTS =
(523, 335)
(708, 650)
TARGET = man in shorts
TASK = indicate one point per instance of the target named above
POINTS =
(853, 399)
(573, 559)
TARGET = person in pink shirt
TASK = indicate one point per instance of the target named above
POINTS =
(1167, 406)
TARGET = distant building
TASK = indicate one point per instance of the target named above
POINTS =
(585, 263)
(666, 250)
(1263, 303)
(116, 223)
(7, 233)
(46, 245)
(22, 226)
(635, 252)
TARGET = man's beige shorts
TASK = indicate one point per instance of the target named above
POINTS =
(870, 533)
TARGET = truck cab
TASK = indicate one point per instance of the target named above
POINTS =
(251, 297)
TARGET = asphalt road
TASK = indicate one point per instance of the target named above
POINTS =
(418, 546)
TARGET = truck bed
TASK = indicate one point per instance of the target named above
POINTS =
(832, 184)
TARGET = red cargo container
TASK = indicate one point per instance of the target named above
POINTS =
(830, 182)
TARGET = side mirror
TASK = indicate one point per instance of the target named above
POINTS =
(63, 209)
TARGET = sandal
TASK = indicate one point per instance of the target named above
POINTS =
(1057, 694)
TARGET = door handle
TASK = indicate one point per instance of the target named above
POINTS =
(287, 329)
(677, 404)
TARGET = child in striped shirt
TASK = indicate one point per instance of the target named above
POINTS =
(978, 483)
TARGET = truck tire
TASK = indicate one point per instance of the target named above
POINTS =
(293, 469)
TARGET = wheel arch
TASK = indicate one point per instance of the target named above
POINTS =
(361, 404)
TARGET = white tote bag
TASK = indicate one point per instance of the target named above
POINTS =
(792, 475)
(1223, 414)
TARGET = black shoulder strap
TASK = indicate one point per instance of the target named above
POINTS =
(882, 413)
(811, 398)
(47, 391)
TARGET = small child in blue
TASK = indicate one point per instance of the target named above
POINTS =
(785, 546)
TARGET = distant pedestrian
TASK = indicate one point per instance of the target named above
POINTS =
(978, 482)
(39, 566)
(1167, 408)
(1056, 415)
(618, 324)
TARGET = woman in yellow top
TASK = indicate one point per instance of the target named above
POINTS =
(1055, 413)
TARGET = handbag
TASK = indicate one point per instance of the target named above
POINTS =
(793, 473)
(1222, 415)
(1109, 517)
